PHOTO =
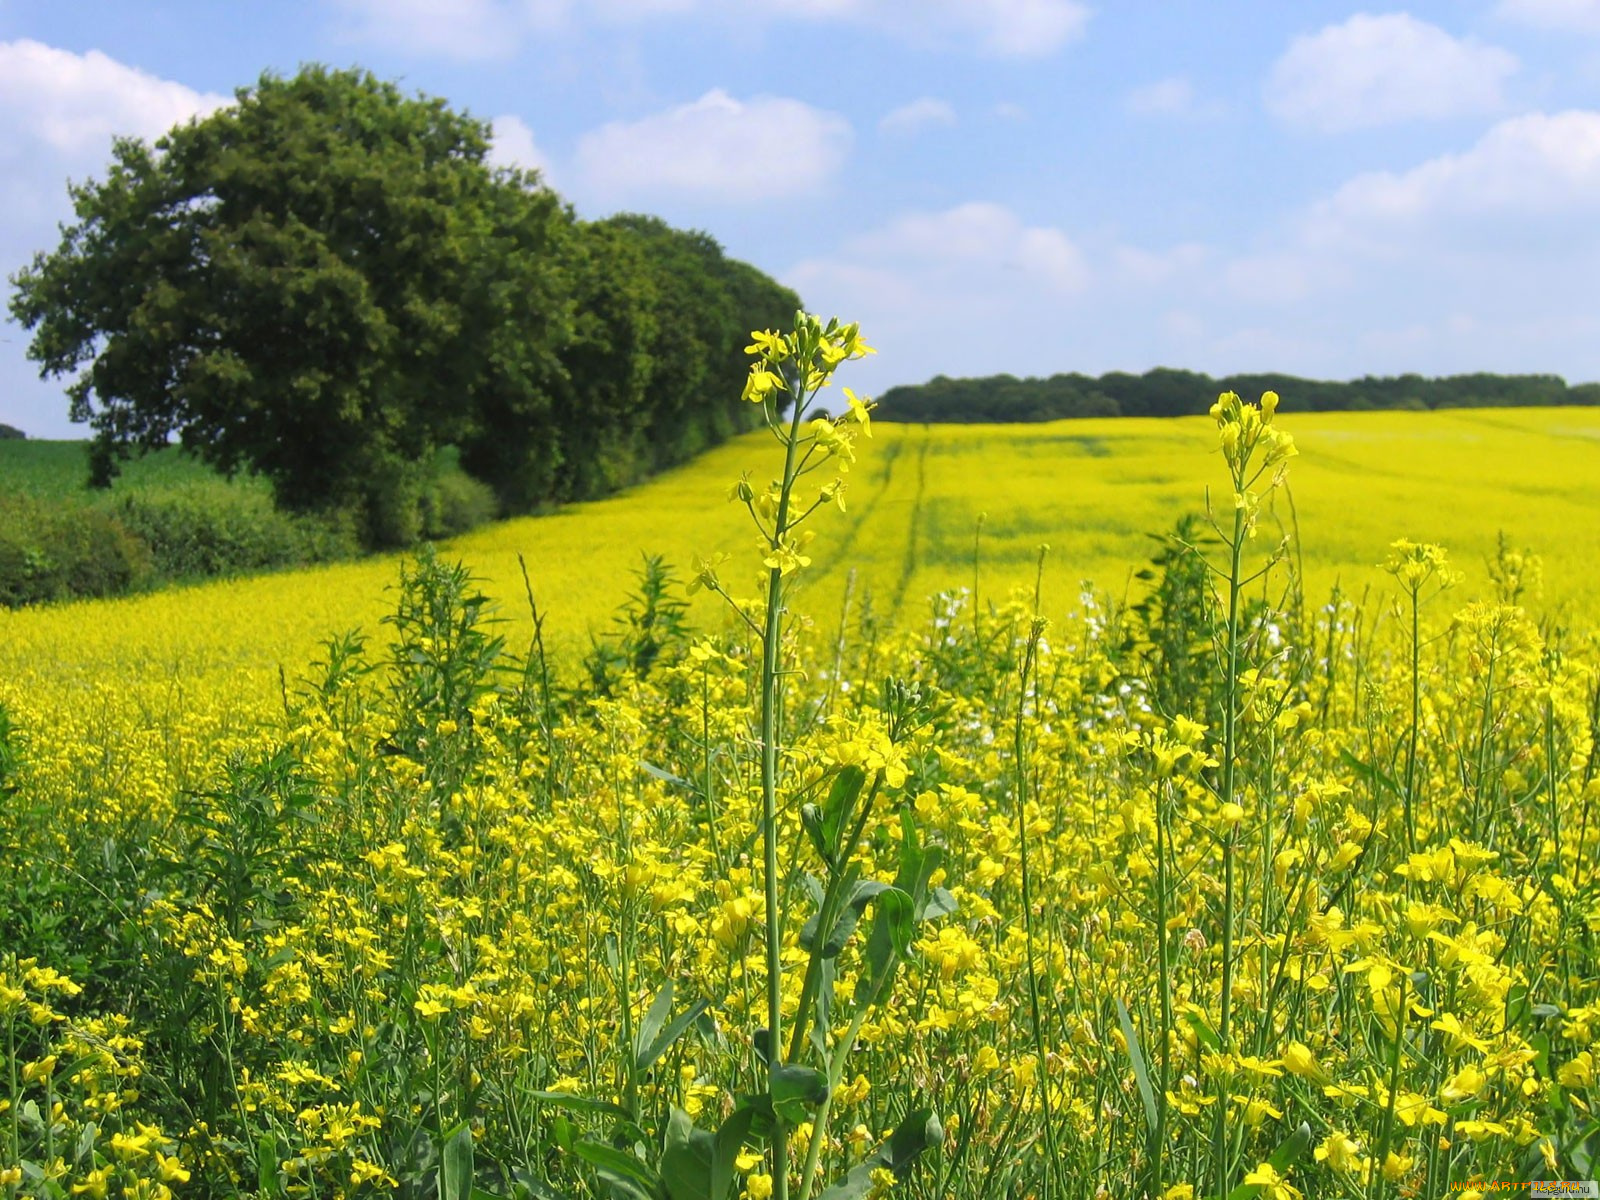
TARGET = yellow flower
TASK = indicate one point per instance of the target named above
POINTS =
(1578, 1072)
(94, 1184)
(860, 410)
(1299, 1060)
(1339, 1151)
(758, 1187)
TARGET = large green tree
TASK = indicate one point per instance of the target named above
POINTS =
(322, 282)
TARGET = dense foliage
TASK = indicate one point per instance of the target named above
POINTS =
(325, 282)
(1168, 393)
(1224, 893)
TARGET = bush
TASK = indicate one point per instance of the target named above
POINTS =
(56, 552)
(455, 502)
(208, 528)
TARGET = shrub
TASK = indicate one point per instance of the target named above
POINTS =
(203, 529)
(455, 502)
(54, 552)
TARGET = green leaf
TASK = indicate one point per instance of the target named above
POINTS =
(837, 809)
(268, 1182)
(650, 1027)
(667, 777)
(914, 1136)
(563, 1132)
(811, 822)
(1203, 1031)
(575, 1103)
(893, 926)
(1141, 1074)
(1290, 1151)
(730, 1139)
(1369, 772)
(797, 1090)
(686, 1159)
(940, 903)
(859, 896)
(680, 1024)
(455, 1175)
(619, 1168)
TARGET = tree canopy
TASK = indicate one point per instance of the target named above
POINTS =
(326, 281)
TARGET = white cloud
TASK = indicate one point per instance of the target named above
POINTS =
(1165, 97)
(1534, 166)
(1008, 28)
(986, 237)
(75, 103)
(970, 289)
(918, 113)
(1575, 16)
(717, 148)
(1007, 111)
(486, 29)
(1377, 70)
(512, 145)
(1174, 96)
(459, 29)
(58, 113)
(1026, 28)
(1137, 265)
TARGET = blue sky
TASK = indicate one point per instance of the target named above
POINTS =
(987, 185)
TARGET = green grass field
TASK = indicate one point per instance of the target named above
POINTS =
(60, 470)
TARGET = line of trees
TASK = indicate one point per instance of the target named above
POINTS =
(327, 281)
(1164, 392)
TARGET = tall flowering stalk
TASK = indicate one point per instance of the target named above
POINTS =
(1256, 453)
(792, 369)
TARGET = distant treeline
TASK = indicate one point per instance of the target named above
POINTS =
(1164, 392)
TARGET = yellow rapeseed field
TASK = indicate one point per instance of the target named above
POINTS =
(835, 880)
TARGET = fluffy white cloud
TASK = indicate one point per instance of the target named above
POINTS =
(961, 290)
(976, 236)
(75, 103)
(717, 148)
(1534, 166)
(1577, 16)
(1021, 27)
(58, 113)
(512, 145)
(484, 29)
(918, 113)
(1376, 70)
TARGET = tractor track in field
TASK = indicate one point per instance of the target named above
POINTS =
(840, 554)
(908, 564)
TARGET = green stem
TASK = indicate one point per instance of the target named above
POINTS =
(1230, 737)
(1386, 1130)
(1416, 725)
(1042, 1063)
(808, 1173)
(1164, 977)
(770, 652)
(827, 918)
